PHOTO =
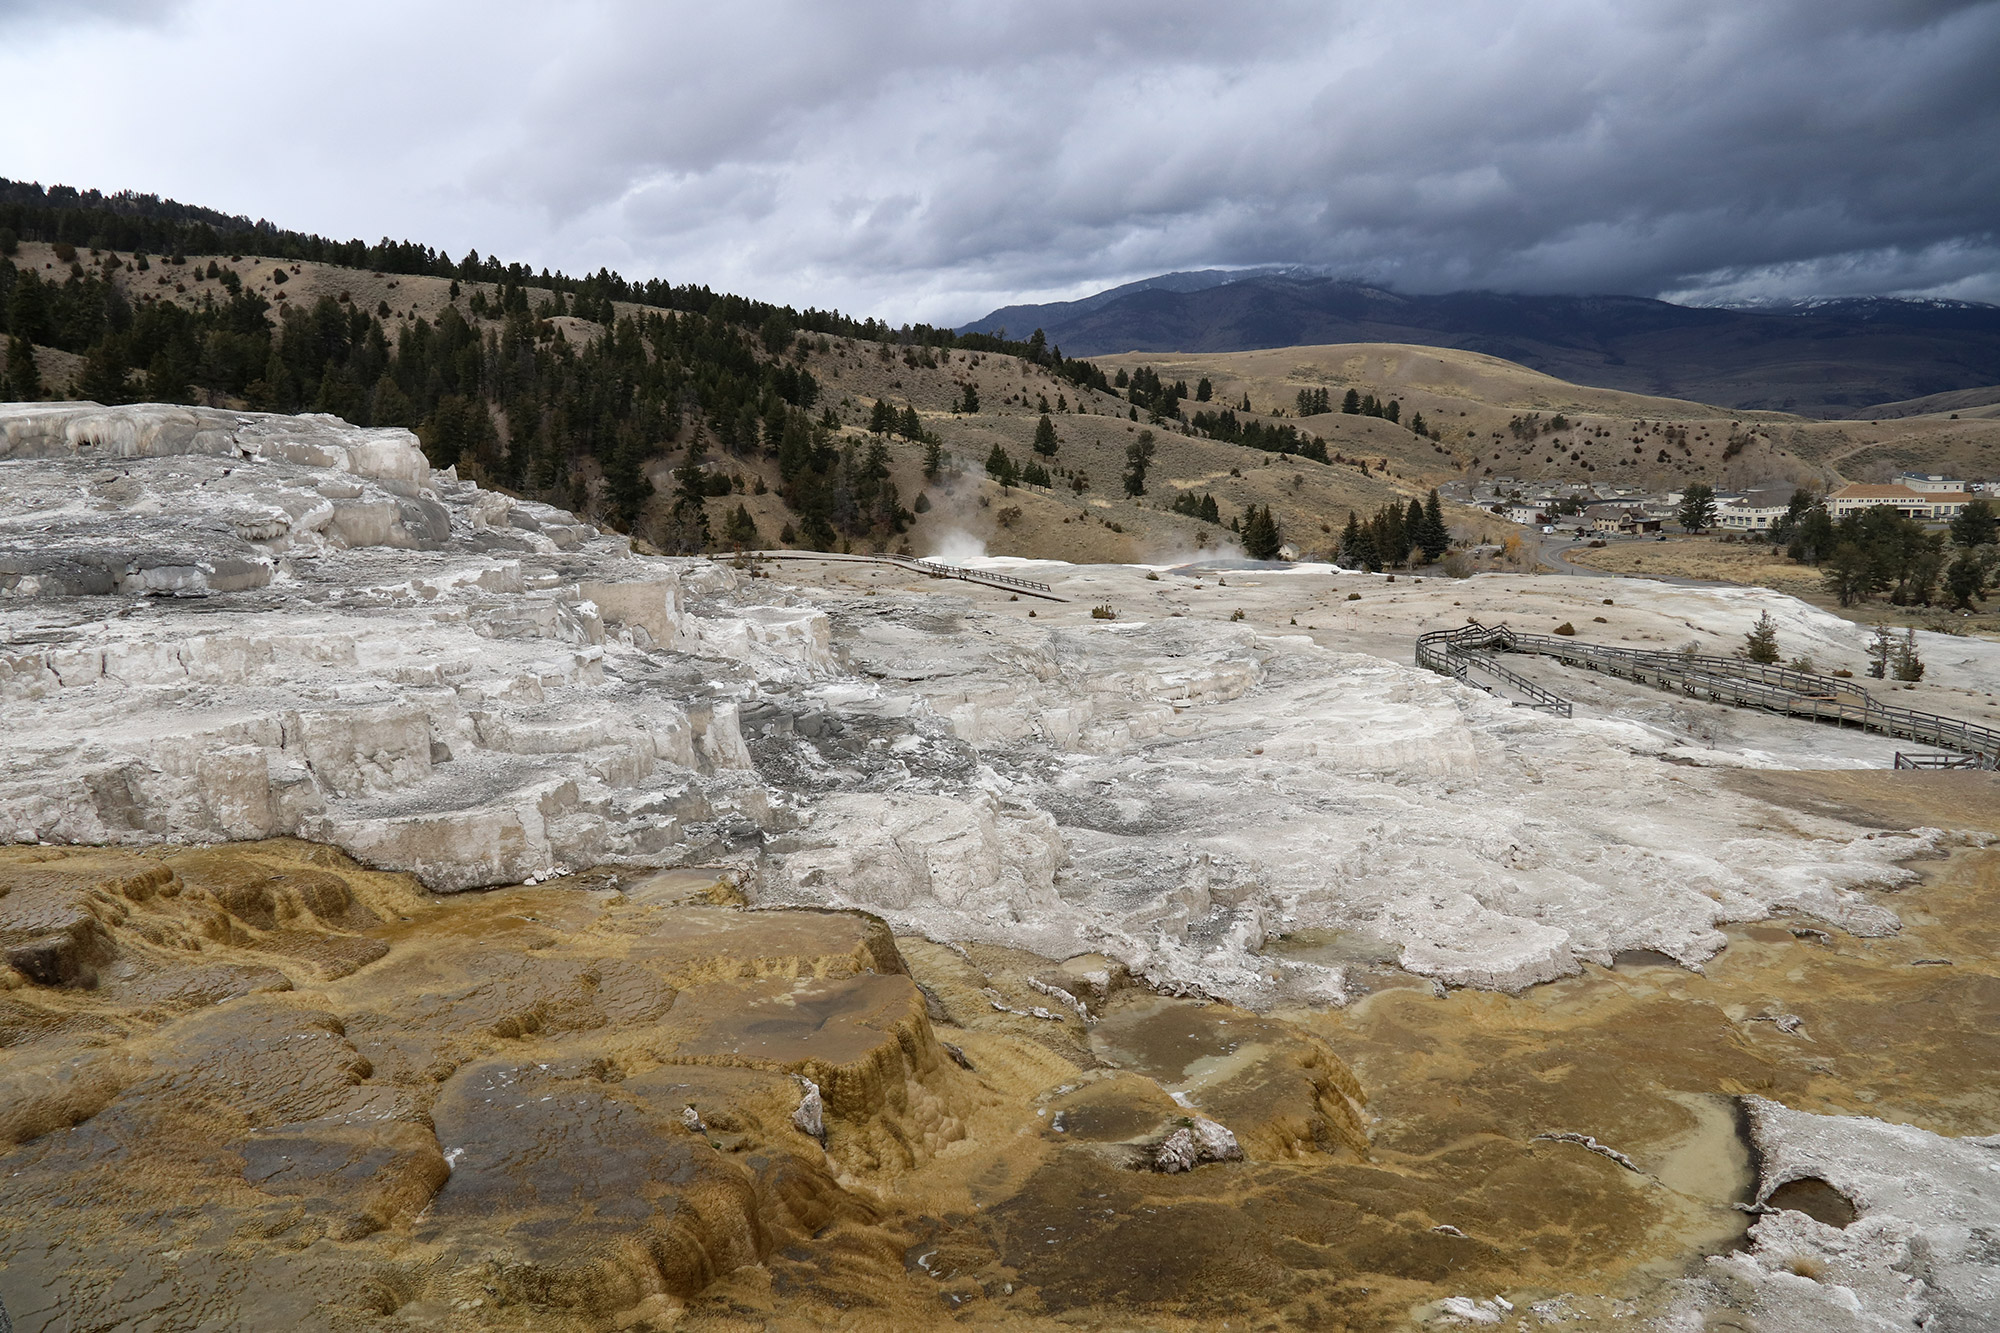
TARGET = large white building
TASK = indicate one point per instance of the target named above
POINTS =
(1756, 510)
(1930, 483)
(1930, 504)
(1737, 516)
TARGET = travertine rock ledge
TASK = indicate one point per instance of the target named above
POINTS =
(315, 635)
(219, 625)
(262, 1087)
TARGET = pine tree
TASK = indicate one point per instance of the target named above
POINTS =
(1697, 508)
(1203, 390)
(1908, 665)
(933, 458)
(1391, 534)
(686, 531)
(1850, 575)
(739, 530)
(627, 485)
(1357, 544)
(1261, 538)
(1434, 537)
(817, 534)
(1881, 650)
(1351, 404)
(968, 399)
(1001, 468)
(909, 425)
(1210, 512)
(1413, 524)
(1965, 580)
(1046, 443)
(105, 372)
(23, 381)
(389, 405)
(1138, 457)
(1973, 525)
(881, 417)
(1761, 643)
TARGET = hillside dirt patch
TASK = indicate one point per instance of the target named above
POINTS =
(1753, 565)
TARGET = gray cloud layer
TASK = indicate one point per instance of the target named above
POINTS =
(929, 159)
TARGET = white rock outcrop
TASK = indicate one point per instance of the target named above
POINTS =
(1922, 1249)
(225, 625)
(434, 677)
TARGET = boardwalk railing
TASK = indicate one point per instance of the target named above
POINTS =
(1726, 680)
(1458, 651)
(1535, 696)
(930, 568)
(1936, 760)
(938, 571)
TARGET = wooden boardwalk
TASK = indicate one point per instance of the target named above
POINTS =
(1727, 680)
(928, 568)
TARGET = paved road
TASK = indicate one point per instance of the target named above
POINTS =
(1553, 551)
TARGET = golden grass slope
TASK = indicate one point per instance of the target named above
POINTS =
(1098, 524)
(1473, 399)
(1310, 500)
(1613, 438)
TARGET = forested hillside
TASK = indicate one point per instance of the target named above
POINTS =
(809, 427)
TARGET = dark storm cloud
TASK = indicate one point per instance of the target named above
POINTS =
(931, 158)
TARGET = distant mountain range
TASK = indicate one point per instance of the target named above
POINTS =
(1825, 358)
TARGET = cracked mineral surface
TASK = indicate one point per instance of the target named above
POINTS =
(1376, 956)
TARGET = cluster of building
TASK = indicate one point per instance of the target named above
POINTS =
(1919, 495)
(1630, 511)
(1595, 509)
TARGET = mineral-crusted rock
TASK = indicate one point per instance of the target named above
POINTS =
(486, 1097)
(1193, 1144)
(435, 710)
(1918, 1252)
(225, 625)
(810, 1118)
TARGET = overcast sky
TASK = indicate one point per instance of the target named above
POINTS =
(933, 159)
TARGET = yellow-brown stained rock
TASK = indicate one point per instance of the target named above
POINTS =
(862, 1039)
(222, 1131)
(480, 1102)
(581, 1194)
(1280, 1089)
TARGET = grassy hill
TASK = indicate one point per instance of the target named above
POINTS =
(1490, 416)
(1824, 359)
(1983, 402)
(1497, 418)
(1310, 500)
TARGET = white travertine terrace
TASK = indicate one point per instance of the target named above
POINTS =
(219, 625)
(224, 625)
